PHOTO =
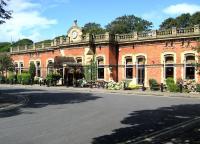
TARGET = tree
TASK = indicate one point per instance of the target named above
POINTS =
(4, 13)
(6, 63)
(182, 21)
(93, 28)
(23, 42)
(195, 18)
(32, 71)
(128, 24)
(5, 46)
(168, 23)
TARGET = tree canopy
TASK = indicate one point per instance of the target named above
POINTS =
(23, 42)
(184, 20)
(6, 63)
(5, 46)
(93, 28)
(4, 13)
(128, 24)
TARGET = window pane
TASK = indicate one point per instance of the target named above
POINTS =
(169, 72)
(190, 72)
(100, 73)
(129, 73)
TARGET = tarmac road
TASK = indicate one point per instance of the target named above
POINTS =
(58, 116)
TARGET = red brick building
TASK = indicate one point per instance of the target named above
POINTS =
(137, 56)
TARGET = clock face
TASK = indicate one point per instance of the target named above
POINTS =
(74, 34)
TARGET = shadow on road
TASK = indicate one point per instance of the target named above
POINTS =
(40, 98)
(144, 122)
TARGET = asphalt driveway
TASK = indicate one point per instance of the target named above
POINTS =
(59, 116)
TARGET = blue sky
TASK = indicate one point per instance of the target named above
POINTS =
(46, 19)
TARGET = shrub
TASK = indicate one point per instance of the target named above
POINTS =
(53, 78)
(170, 81)
(189, 85)
(133, 86)
(32, 70)
(11, 78)
(171, 86)
(153, 84)
(2, 79)
(19, 79)
(114, 85)
(25, 78)
(198, 88)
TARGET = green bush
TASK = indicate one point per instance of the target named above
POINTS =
(198, 88)
(2, 79)
(154, 84)
(53, 78)
(170, 81)
(26, 78)
(171, 86)
(11, 78)
(19, 79)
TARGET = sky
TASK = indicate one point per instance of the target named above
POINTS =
(45, 19)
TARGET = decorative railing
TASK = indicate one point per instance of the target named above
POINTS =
(135, 36)
(186, 31)
(164, 32)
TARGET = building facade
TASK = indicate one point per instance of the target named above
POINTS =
(138, 57)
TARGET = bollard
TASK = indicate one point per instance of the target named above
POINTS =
(143, 88)
(40, 82)
(161, 87)
(181, 87)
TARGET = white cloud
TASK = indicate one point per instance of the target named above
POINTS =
(182, 8)
(27, 21)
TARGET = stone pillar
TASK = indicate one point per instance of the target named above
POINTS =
(52, 44)
(34, 46)
(107, 36)
(154, 34)
(43, 46)
(197, 28)
(18, 48)
(55, 42)
(174, 31)
(26, 47)
(61, 40)
(135, 34)
(11, 49)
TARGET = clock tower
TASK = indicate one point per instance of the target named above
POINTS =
(75, 32)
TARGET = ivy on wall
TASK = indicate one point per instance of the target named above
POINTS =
(90, 71)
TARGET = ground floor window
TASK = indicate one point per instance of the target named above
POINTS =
(38, 69)
(140, 69)
(100, 68)
(169, 66)
(169, 72)
(189, 66)
(128, 68)
(50, 67)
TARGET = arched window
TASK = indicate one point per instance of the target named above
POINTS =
(140, 69)
(169, 66)
(50, 67)
(38, 68)
(16, 67)
(189, 66)
(128, 68)
(100, 68)
(21, 67)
